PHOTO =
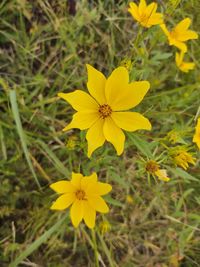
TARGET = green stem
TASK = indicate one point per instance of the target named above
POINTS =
(95, 247)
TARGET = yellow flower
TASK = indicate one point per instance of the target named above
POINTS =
(126, 63)
(182, 158)
(103, 112)
(84, 194)
(196, 137)
(146, 14)
(183, 66)
(153, 168)
(129, 199)
(104, 227)
(180, 34)
(72, 142)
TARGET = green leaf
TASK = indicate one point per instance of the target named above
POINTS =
(183, 174)
(58, 164)
(113, 201)
(141, 144)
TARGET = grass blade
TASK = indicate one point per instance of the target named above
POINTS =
(15, 111)
(38, 242)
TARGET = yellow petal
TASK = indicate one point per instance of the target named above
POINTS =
(76, 180)
(131, 121)
(180, 45)
(98, 189)
(95, 136)
(151, 9)
(134, 11)
(162, 175)
(183, 25)
(114, 135)
(76, 212)
(187, 35)
(196, 137)
(164, 29)
(80, 100)
(156, 19)
(63, 202)
(186, 66)
(98, 204)
(142, 6)
(62, 187)
(103, 188)
(87, 181)
(115, 84)
(82, 120)
(89, 215)
(96, 84)
(131, 95)
(179, 58)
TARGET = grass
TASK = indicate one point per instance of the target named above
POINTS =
(43, 51)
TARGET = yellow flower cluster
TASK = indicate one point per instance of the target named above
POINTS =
(147, 16)
(105, 112)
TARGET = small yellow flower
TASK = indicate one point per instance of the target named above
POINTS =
(180, 34)
(182, 157)
(126, 63)
(183, 66)
(153, 168)
(104, 112)
(104, 227)
(72, 142)
(84, 194)
(129, 199)
(196, 137)
(146, 14)
(175, 136)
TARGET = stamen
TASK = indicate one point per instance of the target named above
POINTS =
(105, 111)
(80, 194)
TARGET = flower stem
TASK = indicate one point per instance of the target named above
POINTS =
(95, 247)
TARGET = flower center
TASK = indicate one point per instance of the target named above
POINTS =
(152, 166)
(144, 17)
(80, 194)
(105, 111)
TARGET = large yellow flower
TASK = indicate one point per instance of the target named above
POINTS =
(196, 137)
(180, 34)
(146, 14)
(84, 194)
(182, 65)
(102, 112)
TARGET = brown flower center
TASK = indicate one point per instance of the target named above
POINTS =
(80, 194)
(152, 166)
(105, 111)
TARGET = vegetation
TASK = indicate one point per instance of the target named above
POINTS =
(44, 46)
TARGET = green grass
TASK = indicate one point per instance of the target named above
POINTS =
(43, 51)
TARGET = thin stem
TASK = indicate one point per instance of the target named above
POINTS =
(95, 247)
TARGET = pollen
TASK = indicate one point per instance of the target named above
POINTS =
(105, 111)
(80, 195)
